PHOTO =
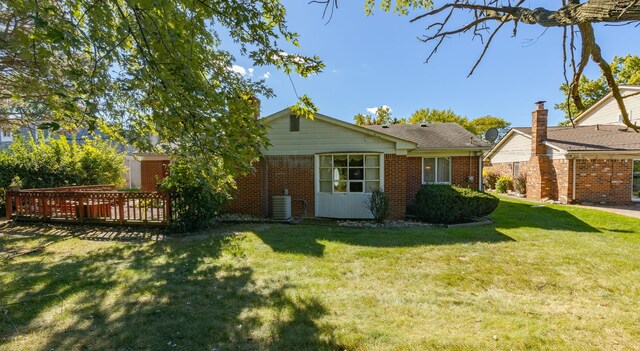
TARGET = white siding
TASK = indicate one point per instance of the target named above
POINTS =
(134, 175)
(320, 136)
(555, 154)
(516, 149)
(608, 112)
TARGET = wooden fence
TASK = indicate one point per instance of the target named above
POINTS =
(90, 204)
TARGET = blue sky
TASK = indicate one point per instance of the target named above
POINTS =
(377, 60)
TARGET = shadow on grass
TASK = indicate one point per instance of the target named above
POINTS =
(307, 240)
(164, 295)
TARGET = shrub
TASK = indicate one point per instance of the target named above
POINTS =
(489, 178)
(504, 184)
(378, 204)
(199, 195)
(60, 162)
(436, 203)
(520, 184)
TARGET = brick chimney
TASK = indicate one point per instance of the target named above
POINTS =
(539, 119)
(541, 183)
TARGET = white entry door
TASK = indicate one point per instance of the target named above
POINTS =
(344, 182)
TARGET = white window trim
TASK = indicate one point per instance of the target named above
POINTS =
(436, 170)
(6, 137)
(380, 168)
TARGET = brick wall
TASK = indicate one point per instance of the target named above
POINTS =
(506, 168)
(274, 174)
(294, 173)
(603, 181)
(461, 168)
(395, 184)
(464, 171)
(563, 180)
(151, 172)
(414, 178)
(247, 197)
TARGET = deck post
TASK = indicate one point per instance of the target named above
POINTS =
(8, 205)
(167, 208)
(121, 207)
(80, 207)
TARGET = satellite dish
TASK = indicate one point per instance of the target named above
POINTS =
(491, 135)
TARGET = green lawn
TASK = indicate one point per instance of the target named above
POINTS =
(540, 278)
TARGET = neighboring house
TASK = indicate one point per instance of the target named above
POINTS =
(330, 167)
(598, 161)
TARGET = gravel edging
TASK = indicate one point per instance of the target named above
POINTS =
(385, 224)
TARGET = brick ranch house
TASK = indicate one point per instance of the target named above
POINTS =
(598, 161)
(329, 167)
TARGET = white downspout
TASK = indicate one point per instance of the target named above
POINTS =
(573, 192)
(480, 185)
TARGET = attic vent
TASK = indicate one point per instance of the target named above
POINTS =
(386, 125)
(423, 125)
(294, 123)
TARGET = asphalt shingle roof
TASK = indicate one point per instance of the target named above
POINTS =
(434, 136)
(591, 138)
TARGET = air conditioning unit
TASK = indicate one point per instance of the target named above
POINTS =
(281, 209)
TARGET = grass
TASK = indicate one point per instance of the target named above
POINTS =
(540, 278)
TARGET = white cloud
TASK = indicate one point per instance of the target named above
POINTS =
(239, 69)
(250, 70)
(373, 110)
(266, 75)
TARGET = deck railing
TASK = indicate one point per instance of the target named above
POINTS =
(90, 205)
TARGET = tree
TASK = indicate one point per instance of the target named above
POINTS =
(482, 124)
(626, 70)
(426, 115)
(485, 18)
(134, 68)
(382, 115)
(476, 126)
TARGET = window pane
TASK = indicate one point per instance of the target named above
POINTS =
(373, 161)
(371, 186)
(325, 161)
(339, 174)
(340, 187)
(340, 160)
(325, 186)
(355, 187)
(443, 170)
(356, 173)
(325, 173)
(429, 170)
(636, 179)
(356, 160)
(372, 174)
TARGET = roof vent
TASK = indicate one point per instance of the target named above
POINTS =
(423, 125)
(386, 125)
(597, 127)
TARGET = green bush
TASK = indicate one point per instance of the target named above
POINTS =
(198, 195)
(489, 178)
(378, 204)
(504, 184)
(520, 184)
(446, 204)
(60, 162)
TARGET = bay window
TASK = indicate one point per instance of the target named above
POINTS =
(349, 173)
